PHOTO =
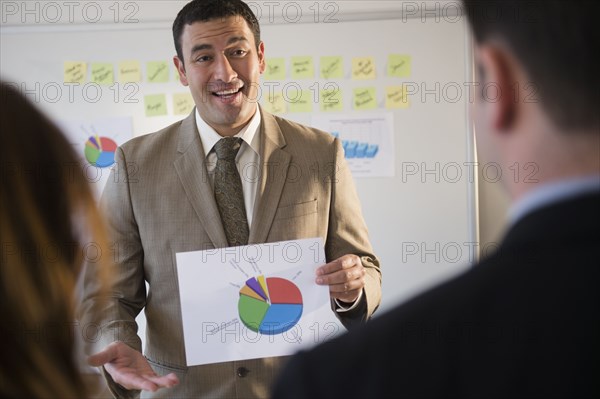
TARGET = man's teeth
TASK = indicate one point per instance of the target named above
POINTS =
(226, 92)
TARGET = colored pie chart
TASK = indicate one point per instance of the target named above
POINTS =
(270, 305)
(100, 151)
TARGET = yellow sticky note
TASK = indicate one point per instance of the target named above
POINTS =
(399, 65)
(275, 69)
(332, 67)
(103, 73)
(365, 98)
(130, 72)
(331, 100)
(300, 101)
(303, 67)
(75, 71)
(183, 103)
(363, 68)
(157, 71)
(275, 103)
(155, 105)
(395, 97)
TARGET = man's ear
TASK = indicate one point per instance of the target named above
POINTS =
(499, 86)
(261, 57)
(181, 70)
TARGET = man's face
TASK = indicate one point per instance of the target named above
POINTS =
(222, 68)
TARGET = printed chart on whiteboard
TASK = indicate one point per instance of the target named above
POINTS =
(368, 141)
(96, 141)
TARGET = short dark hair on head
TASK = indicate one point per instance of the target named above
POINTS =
(206, 10)
(555, 41)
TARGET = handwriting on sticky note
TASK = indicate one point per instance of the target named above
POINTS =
(399, 65)
(158, 71)
(365, 98)
(275, 103)
(395, 97)
(155, 105)
(303, 67)
(103, 73)
(130, 72)
(332, 67)
(331, 100)
(300, 101)
(75, 71)
(363, 68)
(183, 103)
(275, 69)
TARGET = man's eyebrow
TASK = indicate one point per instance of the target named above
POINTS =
(200, 47)
(236, 39)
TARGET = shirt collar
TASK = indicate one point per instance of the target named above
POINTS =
(551, 193)
(209, 136)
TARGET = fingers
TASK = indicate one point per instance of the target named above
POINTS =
(165, 381)
(105, 356)
(345, 277)
(344, 262)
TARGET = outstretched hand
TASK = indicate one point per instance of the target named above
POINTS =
(130, 369)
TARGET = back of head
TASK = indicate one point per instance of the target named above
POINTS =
(555, 41)
(45, 202)
(207, 10)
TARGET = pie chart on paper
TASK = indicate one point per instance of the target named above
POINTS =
(270, 305)
(100, 151)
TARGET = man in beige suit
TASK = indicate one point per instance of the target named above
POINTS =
(160, 200)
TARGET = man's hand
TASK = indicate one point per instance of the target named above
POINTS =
(344, 276)
(130, 369)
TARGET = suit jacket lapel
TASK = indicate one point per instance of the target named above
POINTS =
(275, 163)
(193, 175)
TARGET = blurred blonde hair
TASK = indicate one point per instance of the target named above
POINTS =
(48, 224)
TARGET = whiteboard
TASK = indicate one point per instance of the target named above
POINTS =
(422, 221)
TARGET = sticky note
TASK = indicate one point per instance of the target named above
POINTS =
(103, 73)
(395, 97)
(331, 67)
(331, 100)
(183, 103)
(155, 105)
(365, 98)
(300, 100)
(75, 71)
(275, 69)
(363, 68)
(399, 65)
(157, 71)
(275, 103)
(303, 67)
(130, 72)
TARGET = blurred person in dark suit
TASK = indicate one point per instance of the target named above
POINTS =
(525, 321)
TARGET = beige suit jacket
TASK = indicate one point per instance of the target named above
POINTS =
(159, 201)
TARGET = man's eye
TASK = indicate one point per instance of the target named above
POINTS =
(203, 58)
(238, 53)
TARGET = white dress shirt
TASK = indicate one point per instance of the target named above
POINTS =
(247, 158)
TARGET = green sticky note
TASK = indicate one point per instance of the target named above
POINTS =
(331, 100)
(399, 65)
(395, 97)
(275, 103)
(332, 67)
(157, 71)
(103, 73)
(363, 68)
(130, 71)
(275, 69)
(75, 71)
(155, 105)
(365, 98)
(183, 103)
(300, 101)
(303, 68)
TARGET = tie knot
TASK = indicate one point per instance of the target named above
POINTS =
(228, 147)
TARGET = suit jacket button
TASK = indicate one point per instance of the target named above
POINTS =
(242, 372)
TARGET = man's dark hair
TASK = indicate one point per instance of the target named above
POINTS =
(555, 41)
(207, 10)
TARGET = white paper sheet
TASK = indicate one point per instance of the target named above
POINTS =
(229, 315)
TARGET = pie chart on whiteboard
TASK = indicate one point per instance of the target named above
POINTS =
(270, 306)
(100, 151)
